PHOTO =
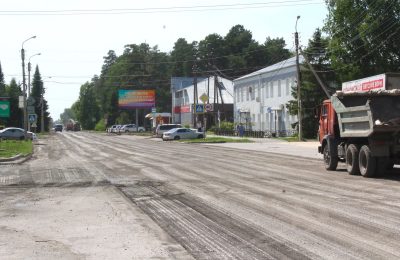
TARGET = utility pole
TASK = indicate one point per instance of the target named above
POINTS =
(299, 115)
(195, 99)
(24, 84)
(41, 114)
(29, 82)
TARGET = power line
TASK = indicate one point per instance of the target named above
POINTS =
(241, 6)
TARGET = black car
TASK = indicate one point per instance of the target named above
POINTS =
(58, 128)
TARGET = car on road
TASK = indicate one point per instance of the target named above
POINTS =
(114, 129)
(13, 133)
(131, 128)
(182, 133)
(32, 136)
(164, 128)
(58, 128)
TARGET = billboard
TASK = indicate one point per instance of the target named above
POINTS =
(4, 108)
(373, 83)
(129, 99)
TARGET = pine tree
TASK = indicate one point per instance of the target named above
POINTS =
(2, 84)
(38, 94)
(13, 91)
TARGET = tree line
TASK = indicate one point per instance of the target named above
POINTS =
(360, 38)
(13, 90)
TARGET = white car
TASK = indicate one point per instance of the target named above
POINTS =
(182, 133)
(131, 128)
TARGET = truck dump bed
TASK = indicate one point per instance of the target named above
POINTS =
(367, 113)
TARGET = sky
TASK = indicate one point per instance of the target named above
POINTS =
(73, 36)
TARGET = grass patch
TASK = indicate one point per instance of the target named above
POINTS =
(218, 140)
(10, 148)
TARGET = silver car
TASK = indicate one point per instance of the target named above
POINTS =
(182, 133)
(131, 128)
(13, 133)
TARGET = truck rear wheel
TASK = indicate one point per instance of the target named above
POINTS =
(352, 164)
(330, 161)
(367, 162)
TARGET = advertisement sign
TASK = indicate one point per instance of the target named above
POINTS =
(373, 83)
(4, 108)
(130, 99)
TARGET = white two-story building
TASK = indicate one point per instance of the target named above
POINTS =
(260, 98)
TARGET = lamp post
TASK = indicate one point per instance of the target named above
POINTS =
(23, 82)
(29, 81)
(296, 40)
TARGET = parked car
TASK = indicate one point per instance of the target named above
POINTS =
(182, 133)
(164, 128)
(13, 133)
(58, 128)
(114, 129)
(131, 128)
(32, 136)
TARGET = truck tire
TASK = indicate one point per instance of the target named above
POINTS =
(367, 162)
(331, 162)
(352, 164)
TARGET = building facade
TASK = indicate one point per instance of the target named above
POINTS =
(219, 92)
(261, 98)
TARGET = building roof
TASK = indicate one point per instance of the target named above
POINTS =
(208, 84)
(278, 66)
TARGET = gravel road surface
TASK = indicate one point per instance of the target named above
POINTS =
(97, 196)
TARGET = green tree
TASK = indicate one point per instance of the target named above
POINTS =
(37, 92)
(183, 56)
(2, 83)
(88, 109)
(365, 37)
(66, 115)
(13, 91)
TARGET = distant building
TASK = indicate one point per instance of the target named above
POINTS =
(261, 98)
(219, 92)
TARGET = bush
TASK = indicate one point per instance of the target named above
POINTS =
(227, 126)
(100, 126)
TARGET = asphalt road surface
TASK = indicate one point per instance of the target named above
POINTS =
(97, 196)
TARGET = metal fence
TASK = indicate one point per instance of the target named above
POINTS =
(256, 134)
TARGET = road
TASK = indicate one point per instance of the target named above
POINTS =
(97, 196)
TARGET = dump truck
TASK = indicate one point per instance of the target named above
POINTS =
(360, 126)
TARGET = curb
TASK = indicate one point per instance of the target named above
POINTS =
(18, 159)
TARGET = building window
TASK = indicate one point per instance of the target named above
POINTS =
(287, 87)
(258, 93)
(271, 88)
(279, 88)
(241, 94)
(247, 94)
(266, 90)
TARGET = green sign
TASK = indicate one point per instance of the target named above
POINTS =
(4, 108)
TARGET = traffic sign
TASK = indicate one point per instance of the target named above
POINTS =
(30, 101)
(30, 109)
(209, 107)
(32, 118)
(34, 124)
(199, 108)
(153, 110)
(4, 108)
(204, 98)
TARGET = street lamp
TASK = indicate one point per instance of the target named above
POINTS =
(296, 40)
(23, 82)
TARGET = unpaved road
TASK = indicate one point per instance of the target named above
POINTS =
(92, 196)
